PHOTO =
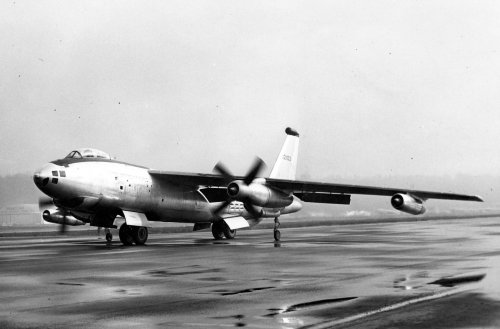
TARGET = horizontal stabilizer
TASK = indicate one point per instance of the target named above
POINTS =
(235, 223)
(324, 198)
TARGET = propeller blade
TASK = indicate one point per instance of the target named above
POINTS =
(258, 165)
(253, 210)
(222, 169)
(63, 226)
(254, 171)
(218, 210)
(45, 202)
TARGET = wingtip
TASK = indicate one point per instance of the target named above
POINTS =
(478, 198)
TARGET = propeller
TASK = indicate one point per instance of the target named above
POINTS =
(254, 171)
(62, 226)
(45, 202)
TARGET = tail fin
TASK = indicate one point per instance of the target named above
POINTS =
(286, 164)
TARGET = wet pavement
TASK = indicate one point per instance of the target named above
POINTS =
(437, 274)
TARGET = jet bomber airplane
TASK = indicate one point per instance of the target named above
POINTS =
(89, 187)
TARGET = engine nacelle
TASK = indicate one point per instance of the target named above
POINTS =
(58, 217)
(294, 207)
(270, 213)
(258, 194)
(408, 204)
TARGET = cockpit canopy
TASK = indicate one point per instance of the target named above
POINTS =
(88, 153)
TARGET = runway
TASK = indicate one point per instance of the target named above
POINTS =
(434, 274)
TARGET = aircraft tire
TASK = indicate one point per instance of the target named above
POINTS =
(139, 235)
(217, 231)
(109, 237)
(277, 235)
(228, 233)
(125, 234)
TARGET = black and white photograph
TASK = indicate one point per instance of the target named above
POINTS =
(261, 164)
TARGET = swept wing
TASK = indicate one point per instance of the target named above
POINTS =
(304, 187)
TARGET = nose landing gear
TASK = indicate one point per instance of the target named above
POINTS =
(277, 233)
(109, 236)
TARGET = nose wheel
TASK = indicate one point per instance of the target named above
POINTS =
(277, 233)
(109, 236)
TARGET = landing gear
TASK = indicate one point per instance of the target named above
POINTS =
(109, 236)
(221, 230)
(228, 233)
(139, 235)
(133, 234)
(277, 233)
(217, 230)
(125, 234)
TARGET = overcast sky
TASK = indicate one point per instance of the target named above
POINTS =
(373, 87)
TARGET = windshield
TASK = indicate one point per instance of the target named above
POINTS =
(88, 153)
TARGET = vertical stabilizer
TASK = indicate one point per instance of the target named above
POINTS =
(286, 164)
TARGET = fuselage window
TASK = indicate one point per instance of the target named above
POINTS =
(54, 173)
(62, 173)
(54, 180)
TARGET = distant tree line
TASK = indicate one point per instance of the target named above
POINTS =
(18, 189)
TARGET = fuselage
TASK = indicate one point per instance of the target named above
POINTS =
(88, 185)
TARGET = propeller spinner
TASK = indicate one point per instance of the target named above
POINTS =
(232, 188)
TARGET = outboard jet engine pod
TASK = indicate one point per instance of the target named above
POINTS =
(408, 204)
(58, 217)
(258, 194)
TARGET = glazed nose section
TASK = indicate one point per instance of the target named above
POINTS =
(41, 177)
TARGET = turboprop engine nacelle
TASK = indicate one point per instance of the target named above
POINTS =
(258, 194)
(408, 204)
(59, 218)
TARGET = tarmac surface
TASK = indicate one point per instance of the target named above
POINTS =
(434, 274)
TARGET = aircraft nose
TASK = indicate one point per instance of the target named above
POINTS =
(41, 177)
(39, 180)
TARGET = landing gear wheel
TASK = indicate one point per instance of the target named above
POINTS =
(277, 233)
(217, 231)
(139, 235)
(228, 233)
(125, 234)
(109, 237)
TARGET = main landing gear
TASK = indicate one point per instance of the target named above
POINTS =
(133, 234)
(277, 233)
(221, 230)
